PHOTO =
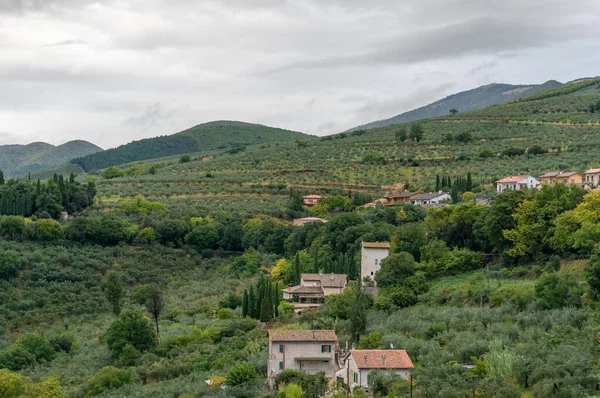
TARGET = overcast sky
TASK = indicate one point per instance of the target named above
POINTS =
(114, 71)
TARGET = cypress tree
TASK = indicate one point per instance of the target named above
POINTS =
(437, 182)
(252, 303)
(276, 299)
(297, 270)
(72, 178)
(316, 266)
(1, 178)
(454, 194)
(469, 182)
(449, 181)
(245, 304)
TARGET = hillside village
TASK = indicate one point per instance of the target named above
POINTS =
(445, 264)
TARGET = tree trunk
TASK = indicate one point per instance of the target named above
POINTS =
(157, 331)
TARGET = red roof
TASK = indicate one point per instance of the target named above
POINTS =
(513, 179)
(382, 359)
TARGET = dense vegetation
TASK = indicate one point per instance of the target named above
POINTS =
(172, 276)
(17, 160)
(201, 138)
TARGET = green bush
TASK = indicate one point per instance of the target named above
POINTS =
(241, 373)
(108, 378)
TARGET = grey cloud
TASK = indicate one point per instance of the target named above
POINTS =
(483, 35)
(66, 43)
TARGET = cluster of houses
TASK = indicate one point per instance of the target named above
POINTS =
(586, 180)
(316, 351)
(431, 199)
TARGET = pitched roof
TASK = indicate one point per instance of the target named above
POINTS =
(312, 197)
(374, 359)
(513, 178)
(403, 194)
(376, 245)
(306, 220)
(550, 174)
(302, 335)
(327, 280)
(592, 171)
(301, 289)
(559, 174)
(429, 196)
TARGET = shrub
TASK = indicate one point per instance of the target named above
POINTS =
(112, 172)
(130, 328)
(241, 373)
(224, 313)
(108, 378)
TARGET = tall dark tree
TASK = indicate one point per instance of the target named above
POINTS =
(437, 183)
(469, 186)
(252, 301)
(114, 292)
(358, 315)
(155, 306)
(297, 270)
(245, 304)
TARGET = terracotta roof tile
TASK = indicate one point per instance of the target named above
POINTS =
(304, 290)
(327, 280)
(302, 335)
(590, 171)
(382, 359)
(513, 178)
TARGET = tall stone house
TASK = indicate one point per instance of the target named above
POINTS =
(371, 254)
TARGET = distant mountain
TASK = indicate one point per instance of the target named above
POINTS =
(201, 138)
(18, 160)
(478, 98)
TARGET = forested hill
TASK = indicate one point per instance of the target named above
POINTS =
(200, 138)
(478, 98)
(20, 159)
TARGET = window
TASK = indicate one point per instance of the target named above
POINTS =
(280, 365)
(376, 261)
(281, 347)
(355, 377)
(326, 348)
(371, 273)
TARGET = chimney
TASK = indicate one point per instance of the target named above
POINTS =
(314, 337)
(383, 360)
(365, 359)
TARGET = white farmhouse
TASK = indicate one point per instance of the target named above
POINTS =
(359, 363)
(516, 183)
(430, 198)
(371, 254)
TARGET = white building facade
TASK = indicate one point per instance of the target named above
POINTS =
(516, 183)
(371, 254)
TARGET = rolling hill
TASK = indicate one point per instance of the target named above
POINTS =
(478, 98)
(21, 159)
(201, 138)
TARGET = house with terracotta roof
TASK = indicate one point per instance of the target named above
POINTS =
(516, 183)
(314, 288)
(309, 351)
(306, 220)
(397, 198)
(383, 201)
(311, 200)
(371, 254)
(430, 198)
(566, 177)
(592, 177)
(359, 363)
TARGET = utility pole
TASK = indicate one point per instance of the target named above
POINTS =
(411, 385)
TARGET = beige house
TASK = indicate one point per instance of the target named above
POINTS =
(359, 363)
(311, 200)
(566, 177)
(314, 288)
(592, 176)
(371, 254)
(399, 198)
(306, 220)
(309, 351)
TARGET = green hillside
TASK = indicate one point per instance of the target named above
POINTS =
(201, 138)
(20, 159)
(465, 101)
(489, 300)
